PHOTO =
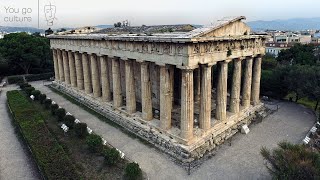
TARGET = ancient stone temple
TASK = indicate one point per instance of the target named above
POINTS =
(184, 89)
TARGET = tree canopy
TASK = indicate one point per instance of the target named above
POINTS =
(22, 53)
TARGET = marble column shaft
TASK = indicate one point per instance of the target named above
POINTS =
(66, 67)
(73, 75)
(86, 74)
(117, 93)
(95, 76)
(79, 71)
(187, 104)
(56, 65)
(166, 96)
(130, 87)
(256, 81)
(106, 93)
(146, 92)
(247, 80)
(236, 86)
(205, 98)
(221, 109)
(60, 65)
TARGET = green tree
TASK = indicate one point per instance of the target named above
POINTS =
(290, 161)
(298, 54)
(26, 53)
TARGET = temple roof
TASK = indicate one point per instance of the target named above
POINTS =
(158, 32)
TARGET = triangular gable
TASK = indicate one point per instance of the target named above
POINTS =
(226, 27)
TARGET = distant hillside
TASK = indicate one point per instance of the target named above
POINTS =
(20, 29)
(289, 24)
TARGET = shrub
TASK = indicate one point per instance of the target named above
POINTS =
(15, 79)
(42, 97)
(69, 120)
(53, 108)
(28, 90)
(47, 103)
(24, 85)
(37, 77)
(111, 156)
(36, 94)
(290, 161)
(94, 142)
(132, 171)
(60, 112)
(81, 130)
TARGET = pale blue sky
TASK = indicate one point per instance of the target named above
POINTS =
(75, 13)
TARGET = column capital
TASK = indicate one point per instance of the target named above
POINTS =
(188, 67)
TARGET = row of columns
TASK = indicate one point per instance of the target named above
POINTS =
(73, 68)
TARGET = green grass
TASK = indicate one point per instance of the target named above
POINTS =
(304, 101)
(48, 153)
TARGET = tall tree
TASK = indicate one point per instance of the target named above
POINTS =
(25, 53)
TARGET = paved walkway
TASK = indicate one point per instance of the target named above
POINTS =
(241, 160)
(14, 161)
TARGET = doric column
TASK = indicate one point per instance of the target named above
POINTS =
(66, 67)
(197, 84)
(56, 65)
(246, 89)
(236, 86)
(60, 65)
(106, 94)
(187, 104)
(166, 95)
(146, 92)
(256, 81)
(95, 76)
(86, 74)
(79, 70)
(221, 109)
(130, 87)
(117, 93)
(73, 76)
(205, 98)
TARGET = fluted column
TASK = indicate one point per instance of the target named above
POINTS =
(205, 98)
(117, 93)
(95, 76)
(86, 74)
(187, 104)
(146, 92)
(256, 80)
(197, 84)
(66, 67)
(106, 94)
(79, 71)
(56, 65)
(73, 75)
(166, 96)
(60, 65)
(246, 89)
(236, 86)
(130, 87)
(221, 109)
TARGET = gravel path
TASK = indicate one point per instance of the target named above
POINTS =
(15, 164)
(241, 160)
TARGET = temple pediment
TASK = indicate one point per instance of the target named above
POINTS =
(224, 28)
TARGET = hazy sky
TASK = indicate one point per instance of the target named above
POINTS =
(76, 13)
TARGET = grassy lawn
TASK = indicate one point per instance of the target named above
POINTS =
(304, 101)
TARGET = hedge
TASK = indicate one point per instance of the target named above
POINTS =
(48, 153)
(29, 77)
